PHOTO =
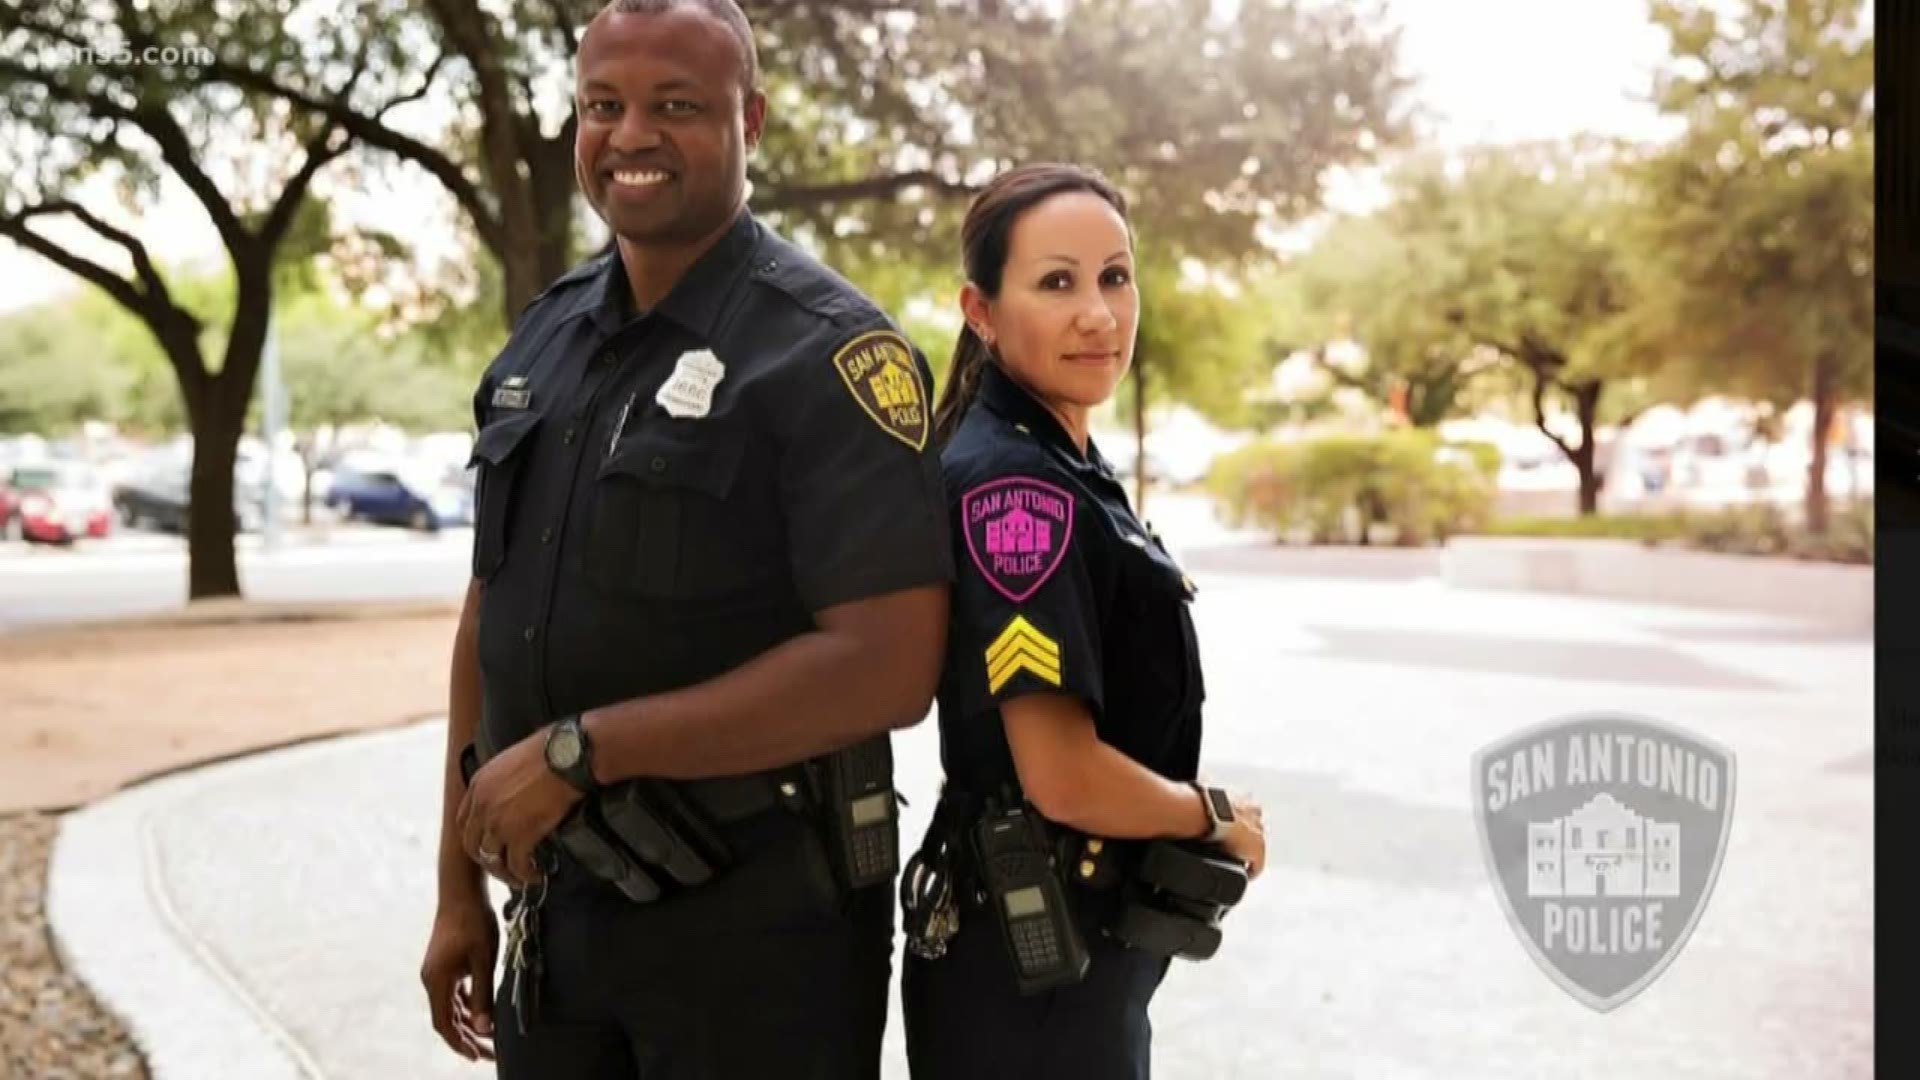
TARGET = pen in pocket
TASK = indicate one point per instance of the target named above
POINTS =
(620, 425)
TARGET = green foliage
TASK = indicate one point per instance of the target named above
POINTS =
(877, 124)
(1334, 489)
(1759, 529)
(1755, 232)
(85, 358)
(340, 368)
(1199, 344)
(1502, 253)
(80, 358)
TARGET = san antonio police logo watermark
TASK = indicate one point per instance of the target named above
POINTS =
(1604, 836)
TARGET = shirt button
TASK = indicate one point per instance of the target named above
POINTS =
(529, 633)
(546, 535)
(568, 437)
(658, 464)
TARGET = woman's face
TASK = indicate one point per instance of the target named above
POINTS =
(1065, 318)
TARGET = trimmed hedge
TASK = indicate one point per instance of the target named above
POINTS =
(1760, 529)
(1335, 489)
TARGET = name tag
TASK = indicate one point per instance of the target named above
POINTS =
(513, 394)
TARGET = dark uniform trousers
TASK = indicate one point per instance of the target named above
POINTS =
(679, 992)
(966, 1022)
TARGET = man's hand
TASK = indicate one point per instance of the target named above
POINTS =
(458, 974)
(514, 802)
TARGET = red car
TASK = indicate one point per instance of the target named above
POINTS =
(53, 503)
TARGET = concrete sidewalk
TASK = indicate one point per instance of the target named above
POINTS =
(265, 917)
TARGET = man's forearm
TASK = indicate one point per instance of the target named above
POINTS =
(810, 695)
(457, 873)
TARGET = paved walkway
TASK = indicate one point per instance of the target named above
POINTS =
(264, 918)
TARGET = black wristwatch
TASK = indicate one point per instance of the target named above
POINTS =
(570, 753)
(1219, 806)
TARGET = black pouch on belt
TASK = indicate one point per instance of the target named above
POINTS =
(659, 827)
(1179, 894)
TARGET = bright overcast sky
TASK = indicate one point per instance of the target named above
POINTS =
(1485, 70)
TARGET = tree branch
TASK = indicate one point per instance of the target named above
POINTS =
(372, 132)
(175, 148)
(426, 85)
(805, 196)
(469, 30)
(170, 323)
(1540, 380)
(143, 266)
(280, 218)
(564, 22)
(14, 227)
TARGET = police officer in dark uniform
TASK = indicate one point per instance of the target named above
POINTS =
(1072, 691)
(710, 562)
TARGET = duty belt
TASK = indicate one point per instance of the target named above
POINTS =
(1165, 897)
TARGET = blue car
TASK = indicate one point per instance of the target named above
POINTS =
(388, 499)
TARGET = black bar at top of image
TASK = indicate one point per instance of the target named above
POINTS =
(1897, 513)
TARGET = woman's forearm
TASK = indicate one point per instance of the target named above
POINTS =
(1108, 794)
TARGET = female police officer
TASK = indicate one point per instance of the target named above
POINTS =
(1072, 685)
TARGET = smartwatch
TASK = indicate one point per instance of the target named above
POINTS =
(570, 754)
(1219, 812)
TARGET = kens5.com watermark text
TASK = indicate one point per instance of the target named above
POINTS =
(127, 56)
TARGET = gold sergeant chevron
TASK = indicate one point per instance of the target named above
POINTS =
(1022, 647)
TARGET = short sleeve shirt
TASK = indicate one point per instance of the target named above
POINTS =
(663, 496)
(1060, 589)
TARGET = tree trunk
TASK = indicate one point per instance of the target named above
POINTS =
(217, 411)
(217, 425)
(309, 459)
(540, 230)
(1824, 410)
(1139, 439)
(1586, 400)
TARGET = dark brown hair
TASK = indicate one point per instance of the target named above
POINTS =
(985, 236)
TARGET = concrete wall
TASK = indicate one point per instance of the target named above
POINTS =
(1826, 593)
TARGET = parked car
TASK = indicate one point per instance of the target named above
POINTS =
(158, 500)
(388, 497)
(54, 502)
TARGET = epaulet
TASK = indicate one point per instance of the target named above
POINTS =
(1022, 455)
(809, 283)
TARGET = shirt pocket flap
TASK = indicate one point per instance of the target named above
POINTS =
(708, 465)
(498, 440)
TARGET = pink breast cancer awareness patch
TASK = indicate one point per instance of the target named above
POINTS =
(1017, 532)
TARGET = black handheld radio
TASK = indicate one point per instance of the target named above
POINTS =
(1016, 865)
(865, 817)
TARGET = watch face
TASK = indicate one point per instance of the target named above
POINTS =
(1222, 804)
(563, 750)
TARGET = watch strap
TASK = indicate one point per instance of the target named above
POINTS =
(1212, 799)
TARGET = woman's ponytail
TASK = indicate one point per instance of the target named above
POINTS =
(970, 360)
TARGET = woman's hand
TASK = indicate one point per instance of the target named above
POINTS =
(1246, 839)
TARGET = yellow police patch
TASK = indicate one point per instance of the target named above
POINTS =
(878, 367)
(1022, 647)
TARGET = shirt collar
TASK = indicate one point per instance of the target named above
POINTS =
(1011, 402)
(695, 301)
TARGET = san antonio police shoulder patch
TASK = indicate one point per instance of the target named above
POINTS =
(878, 368)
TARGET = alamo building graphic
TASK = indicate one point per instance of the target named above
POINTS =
(1603, 849)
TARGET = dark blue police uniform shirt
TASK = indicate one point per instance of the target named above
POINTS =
(664, 496)
(1060, 589)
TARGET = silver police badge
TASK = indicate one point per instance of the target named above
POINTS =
(1604, 836)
